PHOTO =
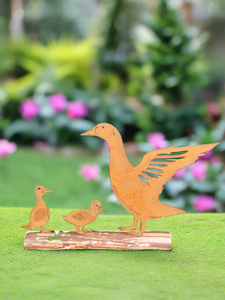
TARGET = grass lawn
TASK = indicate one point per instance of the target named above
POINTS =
(26, 168)
(194, 269)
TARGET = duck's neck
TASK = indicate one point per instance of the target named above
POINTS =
(118, 159)
(39, 199)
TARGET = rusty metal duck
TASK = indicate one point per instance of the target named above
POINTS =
(40, 214)
(138, 188)
(82, 217)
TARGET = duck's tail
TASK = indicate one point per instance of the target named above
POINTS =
(166, 210)
(65, 218)
(28, 226)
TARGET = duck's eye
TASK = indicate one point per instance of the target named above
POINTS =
(103, 126)
(96, 204)
(39, 188)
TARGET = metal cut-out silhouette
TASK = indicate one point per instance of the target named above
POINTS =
(138, 188)
(83, 217)
(40, 214)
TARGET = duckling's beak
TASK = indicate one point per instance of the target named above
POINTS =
(102, 209)
(90, 132)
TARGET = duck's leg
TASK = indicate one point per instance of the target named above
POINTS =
(133, 227)
(44, 230)
(142, 228)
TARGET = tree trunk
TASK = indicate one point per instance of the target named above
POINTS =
(16, 20)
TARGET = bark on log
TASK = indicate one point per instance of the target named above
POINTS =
(110, 240)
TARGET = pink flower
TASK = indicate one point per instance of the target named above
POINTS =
(214, 109)
(58, 102)
(215, 160)
(29, 109)
(6, 148)
(157, 140)
(199, 170)
(90, 172)
(180, 173)
(106, 146)
(77, 109)
(207, 155)
(203, 203)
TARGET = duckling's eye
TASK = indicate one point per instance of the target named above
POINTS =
(96, 204)
(103, 126)
(39, 188)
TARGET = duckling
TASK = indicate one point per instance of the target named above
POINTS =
(137, 188)
(40, 214)
(82, 217)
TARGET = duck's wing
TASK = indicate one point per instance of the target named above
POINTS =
(80, 215)
(158, 166)
(39, 214)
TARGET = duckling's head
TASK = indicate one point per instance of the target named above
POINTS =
(103, 130)
(40, 190)
(97, 204)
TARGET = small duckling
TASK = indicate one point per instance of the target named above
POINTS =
(40, 214)
(82, 217)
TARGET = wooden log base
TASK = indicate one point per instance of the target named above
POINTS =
(108, 240)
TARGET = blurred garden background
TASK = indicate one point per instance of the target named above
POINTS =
(153, 69)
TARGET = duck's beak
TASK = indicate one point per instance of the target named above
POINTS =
(102, 209)
(48, 191)
(90, 132)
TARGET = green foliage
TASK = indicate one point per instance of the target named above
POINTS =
(58, 129)
(117, 43)
(48, 66)
(56, 235)
(174, 55)
(155, 116)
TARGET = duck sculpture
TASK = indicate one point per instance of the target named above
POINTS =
(82, 217)
(138, 188)
(40, 214)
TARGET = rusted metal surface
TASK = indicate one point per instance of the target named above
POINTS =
(138, 188)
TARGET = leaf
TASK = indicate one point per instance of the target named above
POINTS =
(202, 186)
(29, 127)
(50, 238)
(56, 235)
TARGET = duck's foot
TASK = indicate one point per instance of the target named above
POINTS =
(127, 228)
(87, 230)
(133, 226)
(81, 232)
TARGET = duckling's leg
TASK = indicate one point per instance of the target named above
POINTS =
(86, 230)
(133, 227)
(142, 228)
(78, 230)
(44, 230)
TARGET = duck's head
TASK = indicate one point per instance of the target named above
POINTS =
(97, 204)
(40, 190)
(103, 130)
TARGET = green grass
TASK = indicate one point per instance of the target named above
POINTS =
(26, 168)
(194, 269)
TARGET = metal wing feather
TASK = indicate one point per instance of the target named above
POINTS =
(158, 166)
